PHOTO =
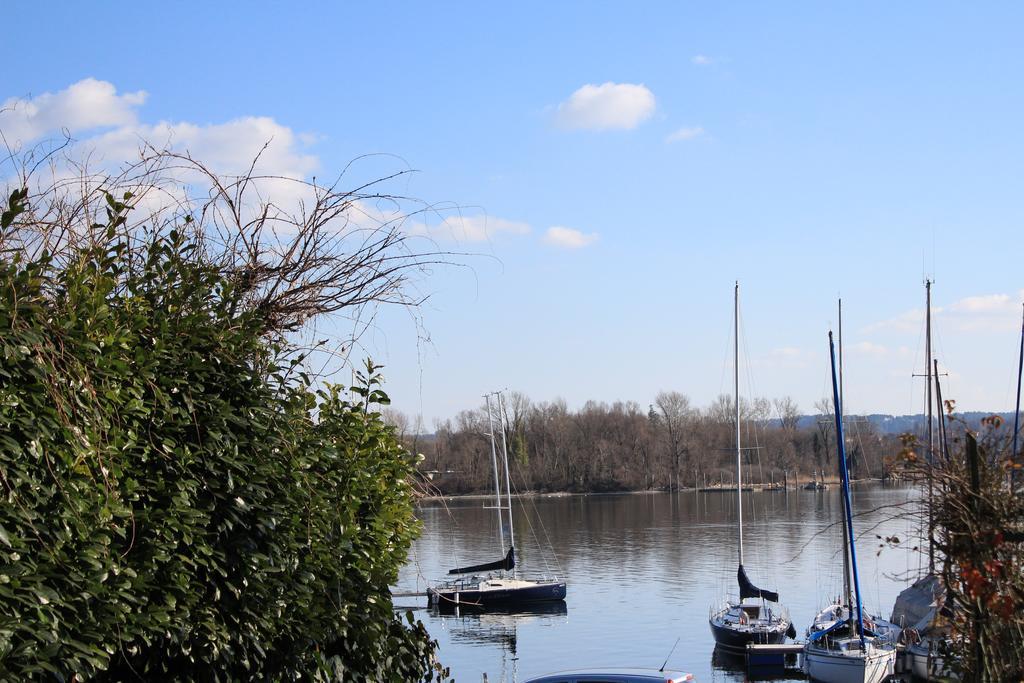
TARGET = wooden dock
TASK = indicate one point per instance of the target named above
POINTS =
(778, 657)
(780, 648)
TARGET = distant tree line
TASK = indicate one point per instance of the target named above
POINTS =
(669, 445)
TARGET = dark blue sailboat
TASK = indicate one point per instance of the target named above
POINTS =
(490, 584)
(751, 619)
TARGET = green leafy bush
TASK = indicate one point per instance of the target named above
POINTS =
(180, 501)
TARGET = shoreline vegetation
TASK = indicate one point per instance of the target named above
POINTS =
(757, 488)
(670, 445)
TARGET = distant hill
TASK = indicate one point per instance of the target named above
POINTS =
(902, 424)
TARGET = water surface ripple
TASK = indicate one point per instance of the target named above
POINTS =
(644, 569)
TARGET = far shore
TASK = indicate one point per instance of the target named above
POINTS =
(710, 489)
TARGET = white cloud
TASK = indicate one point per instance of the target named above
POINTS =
(366, 215)
(94, 107)
(568, 238)
(787, 352)
(982, 313)
(985, 313)
(991, 303)
(702, 60)
(906, 322)
(228, 147)
(477, 228)
(108, 134)
(684, 134)
(87, 105)
(607, 106)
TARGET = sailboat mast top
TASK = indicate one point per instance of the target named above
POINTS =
(841, 402)
(943, 443)
(508, 485)
(845, 475)
(494, 462)
(846, 549)
(736, 401)
(928, 363)
(1016, 412)
(931, 438)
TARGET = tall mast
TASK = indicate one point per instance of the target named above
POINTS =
(931, 437)
(846, 539)
(845, 481)
(494, 461)
(841, 353)
(1016, 412)
(943, 448)
(943, 441)
(508, 486)
(736, 401)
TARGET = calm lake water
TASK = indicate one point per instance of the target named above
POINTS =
(644, 570)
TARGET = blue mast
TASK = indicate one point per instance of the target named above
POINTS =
(1016, 414)
(845, 474)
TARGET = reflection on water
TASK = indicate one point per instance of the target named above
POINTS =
(644, 569)
(497, 626)
(724, 660)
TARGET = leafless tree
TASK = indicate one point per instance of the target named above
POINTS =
(618, 446)
(334, 250)
(398, 420)
(760, 410)
(675, 412)
(788, 412)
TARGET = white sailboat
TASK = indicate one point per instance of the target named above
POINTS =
(751, 619)
(839, 609)
(495, 584)
(920, 606)
(844, 650)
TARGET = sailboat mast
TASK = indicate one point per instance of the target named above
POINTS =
(736, 401)
(845, 481)
(508, 485)
(1016, 410)
(494, 462)
(943, 441)
(846, 539)
(931, 437)
(841, 352)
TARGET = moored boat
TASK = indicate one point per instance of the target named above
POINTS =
(751, 619)
(840, 648)
(495, 584)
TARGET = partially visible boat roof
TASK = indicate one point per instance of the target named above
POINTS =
(614, 675)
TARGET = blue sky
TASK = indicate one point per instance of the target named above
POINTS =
(807, 150)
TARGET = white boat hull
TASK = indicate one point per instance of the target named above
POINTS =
(925, 665)
(872, 666)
